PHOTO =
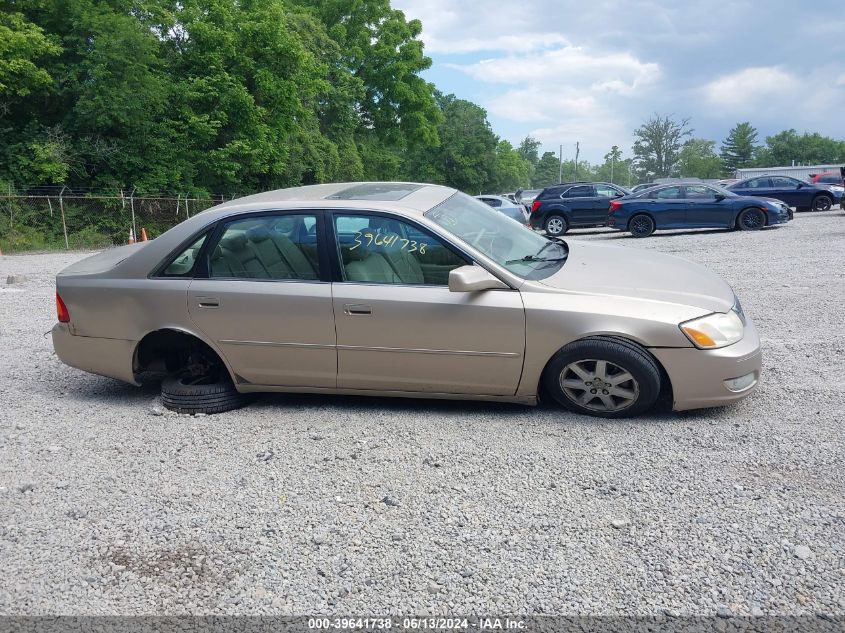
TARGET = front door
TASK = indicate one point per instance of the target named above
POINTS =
(399, 328)
(266, 303)
(704, 209)
(790, 191)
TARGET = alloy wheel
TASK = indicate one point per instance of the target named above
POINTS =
(599, 385)
(753, 219)
(822, 203)
(554, 226)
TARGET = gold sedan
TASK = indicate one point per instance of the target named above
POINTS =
(401, 289)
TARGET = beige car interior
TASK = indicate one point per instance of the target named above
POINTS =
(262, 252)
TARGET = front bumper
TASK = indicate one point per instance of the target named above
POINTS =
(102, 356)
(698, 376)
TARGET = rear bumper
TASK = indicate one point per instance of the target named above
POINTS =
(698, 376)
(102, 356)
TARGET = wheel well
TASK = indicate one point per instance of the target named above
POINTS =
(165, 352)
(665, 381)
(744, 209)
(636, 213)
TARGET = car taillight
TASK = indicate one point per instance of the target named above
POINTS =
(61, 310)
(614, 206)
(535, 205)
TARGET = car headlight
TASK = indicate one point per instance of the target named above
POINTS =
(837, 189)
(715, 330)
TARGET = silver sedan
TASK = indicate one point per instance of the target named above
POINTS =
(402, 290)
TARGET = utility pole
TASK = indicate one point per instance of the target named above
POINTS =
(577, 152)
(560, 165)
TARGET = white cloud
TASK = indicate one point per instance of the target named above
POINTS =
(750, 86)
(573, 65)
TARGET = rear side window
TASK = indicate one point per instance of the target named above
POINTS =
(278, 247)
(670, 193)
(183, 264)
(758, 183)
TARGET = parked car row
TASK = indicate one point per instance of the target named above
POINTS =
(748, 204)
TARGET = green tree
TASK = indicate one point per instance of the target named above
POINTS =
(547, 171)
(511, 170)
(788, 146)
(698, 159)
(467, 155)
(657, 145)
(738, 149)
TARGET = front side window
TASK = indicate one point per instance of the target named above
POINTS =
(280, 247)
(783, 182)
(579, 192)
(510, 244)
(700, 192)
(606, 191)
(385, 250)
(183, 264)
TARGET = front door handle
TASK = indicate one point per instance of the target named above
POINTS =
(357, 309)
(208, 302)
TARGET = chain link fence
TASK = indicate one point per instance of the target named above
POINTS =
(60, 220)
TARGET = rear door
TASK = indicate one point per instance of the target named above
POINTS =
(581, 200)
(670, 207)
(267, 303)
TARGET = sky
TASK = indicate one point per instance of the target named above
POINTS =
(566, 71)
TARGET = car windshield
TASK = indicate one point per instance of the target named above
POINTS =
(507, 242)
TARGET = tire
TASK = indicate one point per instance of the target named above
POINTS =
(822, 202)
(751, 219)
(641, 225)
(556, 225)
(187, 394)
(571, 374)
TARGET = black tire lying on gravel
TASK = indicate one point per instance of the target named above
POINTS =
(184, 393)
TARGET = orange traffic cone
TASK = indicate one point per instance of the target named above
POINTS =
(131, 236)
(143, 234)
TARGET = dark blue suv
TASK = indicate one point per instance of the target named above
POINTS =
(573, 205)
(796, 193)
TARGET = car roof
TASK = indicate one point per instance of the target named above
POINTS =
(415, 198)
(496, 196)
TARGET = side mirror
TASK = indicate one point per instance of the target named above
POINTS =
(472, 279)
(800, 185)
(719, 197)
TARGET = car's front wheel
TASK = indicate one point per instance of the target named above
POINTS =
(641, 225)
(213, 393)
(751, 220)
(604, 377)
(556, 225)
(822, 203)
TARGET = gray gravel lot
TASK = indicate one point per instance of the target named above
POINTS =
(313, 504)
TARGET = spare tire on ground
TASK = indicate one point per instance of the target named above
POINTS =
(215, 393)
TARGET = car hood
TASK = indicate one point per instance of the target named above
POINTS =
(640, 274)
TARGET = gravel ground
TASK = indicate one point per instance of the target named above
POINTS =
(307, 504)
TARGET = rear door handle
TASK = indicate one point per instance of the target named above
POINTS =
(208, 302)
(357, 309)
